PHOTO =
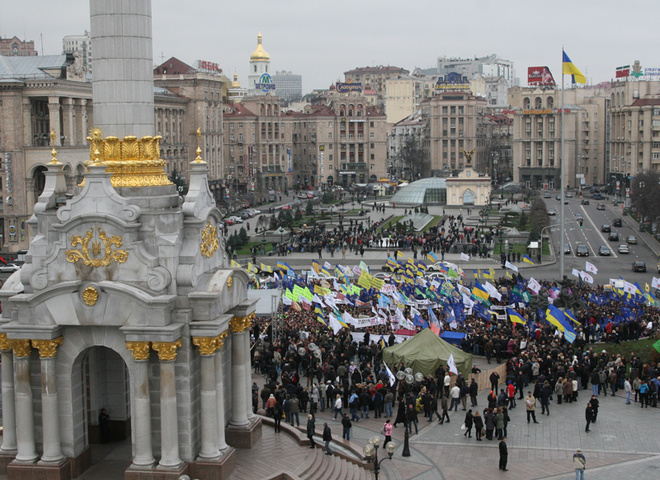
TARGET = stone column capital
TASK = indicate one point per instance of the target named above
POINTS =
(207, 345)
(220, 340)
(47, 348)
(139, 350)
(21, 347)
(4, 343)
(240, 324)
(166, 350)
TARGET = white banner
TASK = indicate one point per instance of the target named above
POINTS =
(586, 277)
(511, 266)
(591, 268)
(534, 286)
(465, 257)
(576, 273)
(655, 283)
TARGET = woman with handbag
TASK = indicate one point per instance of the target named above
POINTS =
(387, 431)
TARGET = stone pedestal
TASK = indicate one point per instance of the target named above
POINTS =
(5, 459)
(244, 437)
(39, 471)
(156, 473)
(220, 469)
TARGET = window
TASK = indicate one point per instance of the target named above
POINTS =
(373, 156)
(371, 135)
(444, 110)
(373, 166)
(656, 156)
(371, 124)
(461, 110)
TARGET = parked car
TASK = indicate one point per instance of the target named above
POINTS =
(639, 266)
(9, 268)
(582, 251)
(584, 201)
(605, 228)
(600, 206)
(624, 248)
(616, 222)
(547, 195)
(632, 239)
(613, 237)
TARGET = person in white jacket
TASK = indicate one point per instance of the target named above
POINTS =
(628, 389)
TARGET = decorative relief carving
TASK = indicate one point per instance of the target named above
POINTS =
(47, 348)
(158, 278)
(90, 295)
(140, 350)
(21, 347)
(4, 343)
(230, 281)
(210, 242)
(166, 350)
(104, 246)
(240, 324)
(220, 340)
(206, 345)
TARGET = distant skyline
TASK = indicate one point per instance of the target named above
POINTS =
(320, 41)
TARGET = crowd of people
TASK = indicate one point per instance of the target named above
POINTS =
(310, 369)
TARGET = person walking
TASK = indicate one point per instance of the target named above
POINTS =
(294, 410)
(580, 464)
(411, 419)
(388, 399)
(589, 416)
(278, 413)
(455, 397)
(347, 424)
(468, 424)
(530, 405)
(387, 431)
(327, 438)
(445, 414)
(338, 406)
(628, 388)
(311, 426)
(504, 454)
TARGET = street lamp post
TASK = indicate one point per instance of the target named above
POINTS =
(370, 451)
(406, 376)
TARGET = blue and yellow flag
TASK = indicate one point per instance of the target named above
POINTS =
(515, 316)
(480, 291)
(489, 274)
(526, 259)
(568, 68)
(571, 316)
(431, 256)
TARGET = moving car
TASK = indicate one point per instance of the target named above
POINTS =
(600, 206)
(552, 212)
(639, 266)
(604, 251)
(569, 195)
(613, 237)
(547, 195)
(605, 228)
(567, 249)
(632, 239)
(624, 248)
(582, 251)
(616, 222)
(584, 201)
(9, 268)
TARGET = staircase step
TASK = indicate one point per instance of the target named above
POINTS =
(313, 465)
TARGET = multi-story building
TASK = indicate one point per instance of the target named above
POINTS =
(81, 43)
(493, 89)
(376, 77)
(405, 94)
(537, 136)
(257, 146)
(490, 66)
(499, 137)
(635, 130)
(15, 47)
(454, 122)
(406, 158)
(288, 86)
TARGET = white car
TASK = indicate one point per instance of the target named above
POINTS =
(9, 268)
(623, 248)
(235, 219)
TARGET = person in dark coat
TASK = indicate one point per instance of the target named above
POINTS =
(474, 391)
(504, 454)
(489, 419)
(468, 424)
(589, 415)
(478, 425)
(311, 426)
(327, 438)
(104, 425)
(400, 413)
(411, 418)
(277, 416)
(546, 391)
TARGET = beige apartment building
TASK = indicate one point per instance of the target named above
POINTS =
(376, 77)
(454, 122)
(537, 132)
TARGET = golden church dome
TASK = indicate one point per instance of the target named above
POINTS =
(259, 55)
(235, 84)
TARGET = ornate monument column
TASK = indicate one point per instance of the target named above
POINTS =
(8, 400)
(49, 409)
(24, 410)
(248, 367)
(207, 347)
(169, 429)
(220, 388)
(238, 327)
(144, 455)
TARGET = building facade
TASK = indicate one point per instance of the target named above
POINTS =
(406, 157)
(490, 66)
(259, 69)
(376, 77)
(81, 43)
(405, 93)
(15, 47)
(288, 86)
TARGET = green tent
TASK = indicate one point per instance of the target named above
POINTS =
(425, 352)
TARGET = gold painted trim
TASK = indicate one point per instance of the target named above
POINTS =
(139, 350)
(220, 340)
(230, 281)
(166, 350)
(206, 345)
(21, 347)
(210, 241)
(90, 296)
(4, 343)
(47, 348)
(88, 258)
(240, 324)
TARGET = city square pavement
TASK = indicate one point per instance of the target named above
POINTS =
(623, 443)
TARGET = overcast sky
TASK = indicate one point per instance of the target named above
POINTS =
(321, 40)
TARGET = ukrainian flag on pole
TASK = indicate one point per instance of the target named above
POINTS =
(569, 69)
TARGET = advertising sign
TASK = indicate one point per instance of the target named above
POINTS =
(209, 67)
(623, 72)
(652, 71)
(265, 83)
(348, 87)
(453, 81)
(540, 76)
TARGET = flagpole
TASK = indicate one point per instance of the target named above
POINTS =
(561, 180)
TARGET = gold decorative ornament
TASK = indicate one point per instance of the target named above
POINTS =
(206, 345)
(47, 348)
(133, 162)
(21, 347)
(468, 156)
(166, 350)
(230, 281)
(140, 350)
(240, 324)
(84, 254)
(4, 343)
(90, 295)
(53, 152)
(220, 340)
(210, 242)
(199, 159)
